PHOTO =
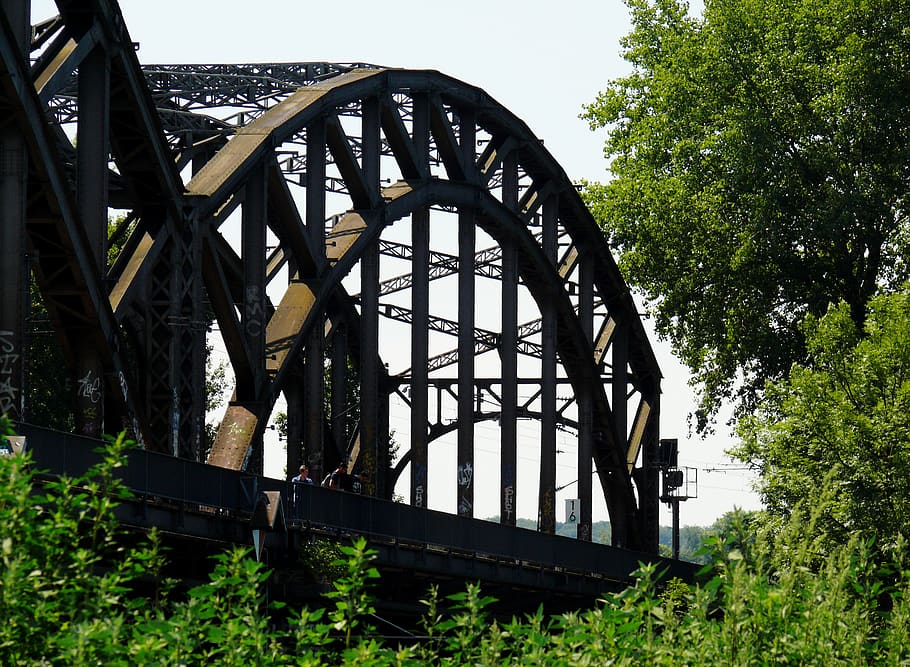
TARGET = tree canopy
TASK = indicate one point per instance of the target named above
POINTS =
(760, 160)
(832, 441)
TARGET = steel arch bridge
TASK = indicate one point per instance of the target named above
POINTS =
(354, 232)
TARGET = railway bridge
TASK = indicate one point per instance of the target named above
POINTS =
(351, 236)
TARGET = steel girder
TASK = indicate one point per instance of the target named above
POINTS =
(260, 194)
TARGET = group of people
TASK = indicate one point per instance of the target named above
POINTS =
(337, 479)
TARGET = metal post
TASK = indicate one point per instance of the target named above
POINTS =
(314, 393)
(91, 187)
(294, 395)
(508, 352)
(14, 278)
(585, 403)
(373, 460)
(675, 506)
(253, 241)
(547, 497)
(466, 239)
(619, 404)
(420, 306)
(340, 381)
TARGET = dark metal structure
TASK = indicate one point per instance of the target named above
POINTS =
(354, 232)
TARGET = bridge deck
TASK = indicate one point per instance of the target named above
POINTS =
(202, 503)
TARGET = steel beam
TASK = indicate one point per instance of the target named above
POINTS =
(508, 352)
(92, 154)
(547, 492)
(420, 303)
(466, 240)
(14, 274)
(585, 406)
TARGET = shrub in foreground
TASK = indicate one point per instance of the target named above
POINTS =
(72, 594)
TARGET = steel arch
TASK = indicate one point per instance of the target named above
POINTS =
(391, 144)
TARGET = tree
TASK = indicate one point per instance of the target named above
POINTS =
(760, 158)
(832, 441)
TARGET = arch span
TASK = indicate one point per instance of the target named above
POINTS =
(357, 233)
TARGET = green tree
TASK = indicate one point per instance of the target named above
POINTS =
(760, 160)
(832, 441)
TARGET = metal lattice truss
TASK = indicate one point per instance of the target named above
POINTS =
(356, 232)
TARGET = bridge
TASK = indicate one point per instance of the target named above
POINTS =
(349, 234)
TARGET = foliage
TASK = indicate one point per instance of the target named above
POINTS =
(51, 399)
(50, 402)
(833, 440)
(71, 593)
(760, 158)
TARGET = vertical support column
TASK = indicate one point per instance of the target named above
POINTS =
(315, 187)
(508, 353)
(373, 460)
(293, 395)
(14, 277)
(547, 496)
(314, 394)
(647, 479)
(619, 405)
(314, 354)
(585, 402)
(340, 380)
(91, 192)
(253, 317)
(369, 369)
(190, 352)
(420, 308)
(466, 238)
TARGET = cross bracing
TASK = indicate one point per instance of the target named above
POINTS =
(228, 174)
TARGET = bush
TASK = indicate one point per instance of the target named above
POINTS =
(69, 596)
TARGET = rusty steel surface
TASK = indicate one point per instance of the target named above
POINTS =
(347, 233)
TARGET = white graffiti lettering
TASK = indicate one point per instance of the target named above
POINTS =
(465, 475)
(8, 394)
(7, 362)
(509, 496)
(90, 388)
(123, 387)
(7, 342)
(418, 496)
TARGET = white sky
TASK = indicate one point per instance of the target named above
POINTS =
(542, 60)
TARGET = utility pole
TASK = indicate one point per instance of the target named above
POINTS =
(679, 484)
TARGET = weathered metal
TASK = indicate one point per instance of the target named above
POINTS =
(276, 200)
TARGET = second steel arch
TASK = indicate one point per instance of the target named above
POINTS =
(429, 125)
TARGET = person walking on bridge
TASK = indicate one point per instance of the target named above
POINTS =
(303, 477)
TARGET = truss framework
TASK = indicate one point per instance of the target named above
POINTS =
(279, 200)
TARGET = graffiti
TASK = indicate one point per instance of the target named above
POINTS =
(420, 474)
(466, 475)
(584, 532)
(9, 392)
(90, 425)
(508, 495)
(7, 346)
(7, 363)
(547, 509)
(465, 508)
(90, 388)
(253, 311)
(124, 389)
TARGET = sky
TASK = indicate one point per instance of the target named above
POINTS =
(541, 60)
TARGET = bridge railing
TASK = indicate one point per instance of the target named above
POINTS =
(166, 479)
